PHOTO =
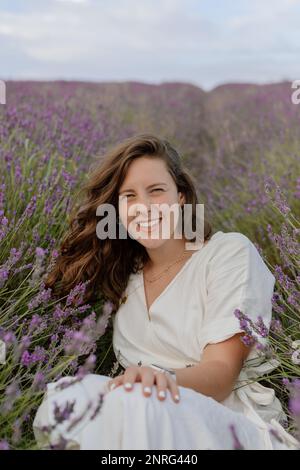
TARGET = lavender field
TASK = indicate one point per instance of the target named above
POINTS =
(242, 145)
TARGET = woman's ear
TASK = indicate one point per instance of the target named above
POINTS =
(181, 198)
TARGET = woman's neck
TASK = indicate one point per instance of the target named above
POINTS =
(164, 255)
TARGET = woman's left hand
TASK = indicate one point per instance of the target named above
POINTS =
(148, 376)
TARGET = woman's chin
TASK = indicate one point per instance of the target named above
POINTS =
(152, 244)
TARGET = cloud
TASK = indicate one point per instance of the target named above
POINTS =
(203, 42)
(73, 1)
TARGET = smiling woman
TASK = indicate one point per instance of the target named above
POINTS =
(127, 179)
(176, 310)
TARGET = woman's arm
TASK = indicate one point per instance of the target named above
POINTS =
(216, 373)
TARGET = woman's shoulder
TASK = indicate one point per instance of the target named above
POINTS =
(223, 240)
(228, 248)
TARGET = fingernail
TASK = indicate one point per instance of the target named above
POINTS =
(177, 398)
(112, 386)
(147, 389)
(128, 385)
(162, 394)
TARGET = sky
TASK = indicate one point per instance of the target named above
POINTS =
(203, 42)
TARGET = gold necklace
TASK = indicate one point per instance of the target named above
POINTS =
(167, 269)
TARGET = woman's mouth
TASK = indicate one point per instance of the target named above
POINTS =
(148, 226)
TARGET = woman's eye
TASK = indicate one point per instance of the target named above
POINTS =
(156, 189)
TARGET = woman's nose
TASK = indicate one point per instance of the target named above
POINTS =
(144, 205)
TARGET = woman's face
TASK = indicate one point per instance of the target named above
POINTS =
(148, 186)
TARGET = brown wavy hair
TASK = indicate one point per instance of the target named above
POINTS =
(107, 264)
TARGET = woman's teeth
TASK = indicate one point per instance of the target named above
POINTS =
(150, 224)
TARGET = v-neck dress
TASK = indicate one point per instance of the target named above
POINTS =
(195, 309)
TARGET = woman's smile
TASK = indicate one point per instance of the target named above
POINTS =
(148, 226)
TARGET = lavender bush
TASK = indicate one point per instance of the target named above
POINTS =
(241, 144)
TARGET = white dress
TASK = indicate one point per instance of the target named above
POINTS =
(196, 308)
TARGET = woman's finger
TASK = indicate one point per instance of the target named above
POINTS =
(115, 382)
(129, 377)
(161, 385)
(174, 389)
(148, 379)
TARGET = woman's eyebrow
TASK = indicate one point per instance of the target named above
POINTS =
(148, 187)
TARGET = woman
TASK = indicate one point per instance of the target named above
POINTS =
(175, 333)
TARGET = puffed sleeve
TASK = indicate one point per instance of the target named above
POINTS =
(236, 278)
